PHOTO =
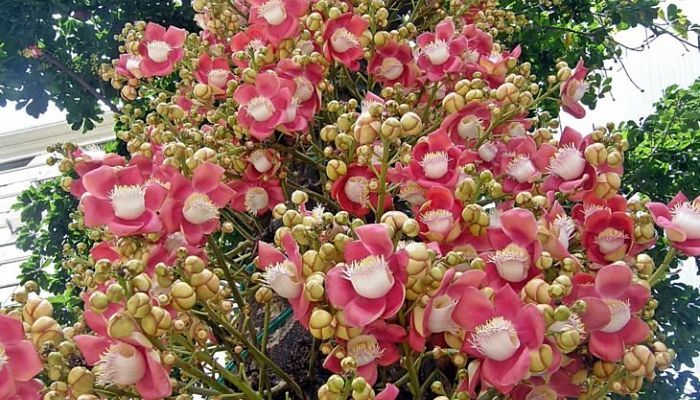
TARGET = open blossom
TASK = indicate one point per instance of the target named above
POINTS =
(341, 39)
(370, 284)
(568, 169)
(247, 41)
(306, 79)
(353, 194)
(278, 18)
(283, 274)
(213, 72)
(681, 222)
(263, 105)
(573, 89)
(192, 207)
(612, 302)
(516, 247)
(608, 236)
(435, 161)
(86, 161)
(375, 346)
(465, 126)
(440, 52)
(440, 216)
(129, 66)
(523, 163)
(161, 49)
(122, 199)
(19, 363)
(393, 63)
(262, 164)
(501, 332)
(256, 197)
(558, 230)
(131, 360)
(495, 66)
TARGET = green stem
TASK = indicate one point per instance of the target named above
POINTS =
(263, 347)
(660, 273)
(410, 367)
(386, 147)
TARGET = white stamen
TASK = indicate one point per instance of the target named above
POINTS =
(686, 216)
(437, 52)
(469, 127)
(121, 365)
(357, 189)
(158, 51)
(260, 161)
(343, 40)
(218, 77)
(174, 242)
(440, 318)
(273, 12)
(128, 201)
(370, 277)
(516, 129)
(305, 89)
(438, 221)
(564, 228)
(495, 218)
(254, 45)
(610, 240)
(413, 193)
(488, 151)
(364, 349)
(256, 199)
(620, 315)
(199, 209)
(522, 169)
(435, 164)
(133, 64)
(391, 68)
(512, 263)
(496, 339)
(260, 108)
(281, 278)
(568, 163)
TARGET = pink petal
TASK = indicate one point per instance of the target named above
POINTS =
(503, 375)
(96, 211)
(597, 313)
(12, 330)
(445, 29)
(30, 390)
(361, 311)
(613, 280)
(606, 346)
(338, 289)
(369, 372)
(244, 94)
(100, 181)
(355, 250)
(155, 384)
(391, 392)
(193, 233)
(637, 295)
(520, 225)
(292, 249)
(530, 326)
(636, 331)
(154, 32)
(175, 37)
(269, 255)
(206, 177)
(267, 84)
(92, 347)
(7, 384)
(221, 195)
(507, 303)
(659, 210)
(23, 360)
(473, 309)
(390, 355)
(394, 299)
(171, 214)
(376, 239)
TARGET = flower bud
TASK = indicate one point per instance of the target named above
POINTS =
(202, 92)
(568, 340)
(596, 154)
(466, 189)
(536, 291)
(639, 361)
(335, 169)
(141, 283)
(194, 265)
(156, 322)
(206, 284)
(46, 329)
(603, 369)
(453, 102)
(418, 257)
(182, 296)
(411, 124)
(35, 308)
(541, 359)
(391, 128)
(120, 325)
(98, 302)
(411, 228)
(139, 305)
(336, 383)
(320, 324)
(115, 293)
(80, 380)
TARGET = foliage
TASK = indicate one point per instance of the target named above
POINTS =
(74, 37)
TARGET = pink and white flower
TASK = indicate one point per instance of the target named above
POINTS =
(441, 52)
(568, 169)
(435, 161)
(523, 163)
(353, 194)
(608, 236)
(341, 39)
(393, 63)
(440, 216)
(370, 284)
(278, 18)
(256, 197)
(263, 106)
(129, 66)
(466, 126)
(681, 222)
(161, 49)
(248, 41)
(19, 363)
(213, 72)
(573, 89)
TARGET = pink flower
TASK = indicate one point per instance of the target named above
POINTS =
(607, 236)
(283, 274)
(523, 163)
(501, 332)
(256, 197)
(352, 192)
(264, 105)
(390, 392)
(516, 248)
(435, 161)
(681, 222)
(573, 89)
(480, 42)
(161, 49)
(495, 66)
(465, 126)
(376, 346)
(440, 52)
(165, 251)
(192, 207)
(129, 66)
(569, 170)
(87, 161)
(253, 38)
(612, 300)
(19, 363)
(558, 230)
(440, 216)
(126, 361)
(262, 164)
(341, 39)
(393, 63)
(214, 73)
(370, 284)
(436, 315)
(592, 203)
(278, 18)
(122, 199)
(306, 79)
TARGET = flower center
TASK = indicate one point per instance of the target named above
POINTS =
(437, 52)
(304, 90)
(281, 278)
(620, 315)
(121, 365)
(469, 127)
(563, 227)
(496, 339)
(3, 357)
(291, 112)
(364, 349)
(370, 277)
(610, 240)
(158, 51)
(438, 221)
(440, 318)
(260, 161)
(495, 218)
(273, 12)
(589, 209)
(128, 201)
(577, 89)
(256, 199)
(174, 242)
(133, 63)
(255, 45)
(412, 193)
(343, 40)
(357, 189)
(686, 217)
(435, 164)
(522, 169)
(391, 68)
(218, 77)
(260, 108)
(567, 163)
(516, 129)
(488, 151)
(198, 209)
(512, 263)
